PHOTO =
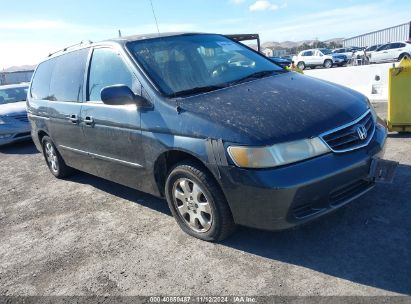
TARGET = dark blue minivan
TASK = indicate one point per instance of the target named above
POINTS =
(226, 135)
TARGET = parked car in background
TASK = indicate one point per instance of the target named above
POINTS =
(364, 53)
(392, 51)
(282, 62)
(247, 144)
(14, 125)
(348, 52)
(368, 51)
(319, 57)
(288, 57)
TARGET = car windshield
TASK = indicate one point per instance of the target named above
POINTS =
(187, 64)
(326, 51)
(10, 95)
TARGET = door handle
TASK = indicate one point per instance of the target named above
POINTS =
(89, 121)
(73, 118)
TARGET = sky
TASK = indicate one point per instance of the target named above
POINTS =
(31, 29)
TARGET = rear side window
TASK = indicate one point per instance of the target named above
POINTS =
(106, 69)
(68, 77)
(308, 53)
(40, 85)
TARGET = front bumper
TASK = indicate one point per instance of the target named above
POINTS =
(276, 199)
(339, 61)
(10, 134)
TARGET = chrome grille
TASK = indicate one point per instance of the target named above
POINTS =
(352, 136)
(21, 117)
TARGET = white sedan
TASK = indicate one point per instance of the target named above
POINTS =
(391, 52)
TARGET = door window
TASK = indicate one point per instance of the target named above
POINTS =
(68, 77)
(107, 69)
(384, 47)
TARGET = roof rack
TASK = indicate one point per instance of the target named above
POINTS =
(71, 46)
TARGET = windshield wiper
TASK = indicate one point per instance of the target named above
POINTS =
(196, 90)
(257, 75)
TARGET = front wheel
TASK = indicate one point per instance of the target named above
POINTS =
(197, 203)
(328, 64)
(404, 56)
(301, 65)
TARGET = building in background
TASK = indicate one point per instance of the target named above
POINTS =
(400, 32)
(15, 77)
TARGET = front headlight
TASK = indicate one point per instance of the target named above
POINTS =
(277, 155)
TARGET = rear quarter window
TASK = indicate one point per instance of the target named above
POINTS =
(68, 77)
(40, 85)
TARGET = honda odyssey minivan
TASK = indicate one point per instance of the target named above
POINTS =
(225, 135)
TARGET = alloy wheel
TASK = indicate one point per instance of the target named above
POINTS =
(51, 156)
(192, 205)
(328, 64)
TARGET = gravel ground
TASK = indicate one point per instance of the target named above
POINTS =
(88, 236)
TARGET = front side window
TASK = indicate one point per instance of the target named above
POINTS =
(68, 77)
(179, 64)
(11, 95)
(107, 69)
(383, 47)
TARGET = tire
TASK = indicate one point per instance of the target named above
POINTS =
(54, 160)
(197, 203)
(301, 65)
(328, 63)
(402, 56)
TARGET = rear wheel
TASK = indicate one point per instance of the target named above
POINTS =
(301, 65)
(197, 203)
(328, 63)
(54, 160)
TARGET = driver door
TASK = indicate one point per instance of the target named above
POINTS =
(112, 133)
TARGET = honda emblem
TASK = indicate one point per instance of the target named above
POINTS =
(361, 131)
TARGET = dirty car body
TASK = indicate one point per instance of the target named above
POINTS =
(282, 147)
(14, 124)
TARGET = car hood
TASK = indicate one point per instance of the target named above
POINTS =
(280, 108)
(10, 109)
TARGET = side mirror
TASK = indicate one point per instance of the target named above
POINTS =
(118, 95)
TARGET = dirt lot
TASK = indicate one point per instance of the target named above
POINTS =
(85, 236)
